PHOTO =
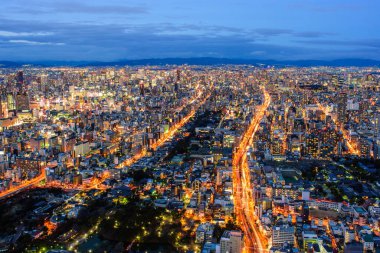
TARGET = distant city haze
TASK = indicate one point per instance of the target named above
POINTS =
(94, 30)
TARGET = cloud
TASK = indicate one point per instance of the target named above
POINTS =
(76, 7)
(312, 34)
(36, 43)
(185, 29)
(323, 8)
(70, 7)
(23, 34)
(257, 53)
(109, 42)
(372, 43)
(272, 31)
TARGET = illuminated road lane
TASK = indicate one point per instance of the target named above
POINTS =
(23, 185)
(242, 186)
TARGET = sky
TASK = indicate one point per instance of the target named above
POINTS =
(99, 30)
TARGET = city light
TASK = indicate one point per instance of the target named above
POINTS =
(243, 200)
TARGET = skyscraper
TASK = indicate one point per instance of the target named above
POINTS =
(305, 213)
(342, 107)
(3, 106)
(22, 101)
(20, 80)
(376, 128)
(11, 102)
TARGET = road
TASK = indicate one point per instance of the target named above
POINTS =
(242, 186)
(23, 185)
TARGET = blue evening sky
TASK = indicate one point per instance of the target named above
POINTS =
(140, 29)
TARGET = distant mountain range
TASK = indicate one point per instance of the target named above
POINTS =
(199, 61)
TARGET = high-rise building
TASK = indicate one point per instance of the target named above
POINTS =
(365, 147)
(178, 75)
(11, 102)
(376, 128)
(219, 177)
(231, 242)
(20, 80)
(22, 101)
(312, 145)
(42, 82)
(363, 108)
(376, 149)
(299, 125)
(282, 234)
(326, 150)
(277, 146)
(3, 107)
(204, 232)
(142, 88)
(342, 107)
(305, 213)
(77, 179)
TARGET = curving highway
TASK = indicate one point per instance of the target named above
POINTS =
(242, 186)
(24, 185)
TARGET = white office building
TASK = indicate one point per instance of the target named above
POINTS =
(231, 242)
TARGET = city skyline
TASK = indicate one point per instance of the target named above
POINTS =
(190, 126)
(189, 158)
(115, 30)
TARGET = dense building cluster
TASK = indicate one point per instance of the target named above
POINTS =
(224, 159)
